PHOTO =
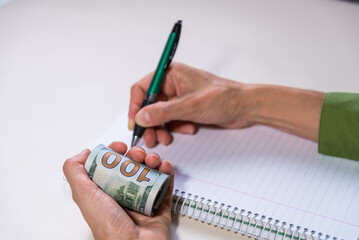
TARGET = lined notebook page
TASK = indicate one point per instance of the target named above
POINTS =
(265, 171)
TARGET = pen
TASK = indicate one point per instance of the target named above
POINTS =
(160, 73)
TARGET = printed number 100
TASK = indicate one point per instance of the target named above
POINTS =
(115, 159)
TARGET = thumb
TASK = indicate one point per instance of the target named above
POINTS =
(159, 113)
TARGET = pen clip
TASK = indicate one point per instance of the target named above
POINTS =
(173, 50)
(177, 31)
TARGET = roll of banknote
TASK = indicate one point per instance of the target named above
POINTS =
(129, 183)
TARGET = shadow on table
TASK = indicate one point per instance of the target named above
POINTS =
(350, 1)
(174, 226)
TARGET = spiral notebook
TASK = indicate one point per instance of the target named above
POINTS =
(259, 182)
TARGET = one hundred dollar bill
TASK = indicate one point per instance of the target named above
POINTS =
(129, 183)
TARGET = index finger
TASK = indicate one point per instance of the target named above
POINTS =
(73, 167)
(138, 94)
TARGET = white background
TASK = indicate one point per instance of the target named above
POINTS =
(66, 68)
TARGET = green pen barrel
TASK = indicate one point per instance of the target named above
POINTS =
(161, 71)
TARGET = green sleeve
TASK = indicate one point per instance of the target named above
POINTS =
(339, 125)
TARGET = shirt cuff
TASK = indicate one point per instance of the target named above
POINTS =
(339, 125)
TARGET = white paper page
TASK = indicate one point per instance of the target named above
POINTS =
(265, 171)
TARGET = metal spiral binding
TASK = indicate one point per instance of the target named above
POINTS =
(190, 204)
(243, 222)
(255, 222)
(184, 203)
(284, 230)
(208, 202)
(198, 203)
(214, 215)
(219, 211)
(178, 198)
(235, 218)
(240, 221)
(262, 226)
(228, 215)
(245, 230)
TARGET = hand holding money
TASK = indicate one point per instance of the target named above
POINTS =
(106, 218)
(130, 184)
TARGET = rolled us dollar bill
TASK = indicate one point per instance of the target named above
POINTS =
(129, 183)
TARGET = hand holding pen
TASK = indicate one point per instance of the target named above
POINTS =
(157, 78)
(188, 96)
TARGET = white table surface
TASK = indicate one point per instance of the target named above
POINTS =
(66, 68)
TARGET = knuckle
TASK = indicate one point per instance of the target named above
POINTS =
(67, 165)
(134, 88)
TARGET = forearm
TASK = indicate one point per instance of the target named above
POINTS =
(296, 111)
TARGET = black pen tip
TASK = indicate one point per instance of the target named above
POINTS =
(179, 22)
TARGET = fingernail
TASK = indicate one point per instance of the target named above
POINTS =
(139, 148)
(84, 151)
(154, 154)
(131, 124)
(188, 130)
(143, 118)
